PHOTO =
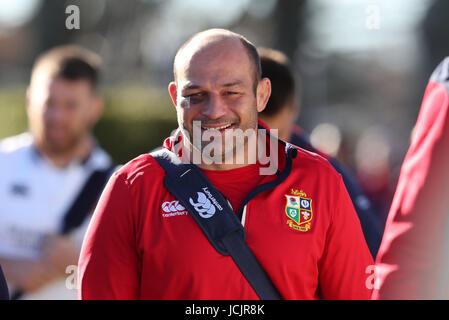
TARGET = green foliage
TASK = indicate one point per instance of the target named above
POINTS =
(12, 111)
(136, 119)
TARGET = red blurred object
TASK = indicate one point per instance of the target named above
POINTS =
(413, 258)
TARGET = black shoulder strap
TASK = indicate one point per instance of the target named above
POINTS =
(86, 199)
(216, 219)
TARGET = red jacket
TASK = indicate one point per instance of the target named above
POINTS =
(142, 245)
(411, 261)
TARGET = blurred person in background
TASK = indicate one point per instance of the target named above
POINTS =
(413, 260)
(281, 113)
(375, 172)
(51, 176)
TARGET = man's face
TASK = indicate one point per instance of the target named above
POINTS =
(61, 112)
(215, 86)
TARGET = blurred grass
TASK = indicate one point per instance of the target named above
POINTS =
(136, 119)
(12, 111)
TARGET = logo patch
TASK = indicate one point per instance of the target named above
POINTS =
(203, 206)
(20, 190)
(298, 209)
(173, 208)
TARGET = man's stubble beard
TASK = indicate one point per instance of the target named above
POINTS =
(230, 148)
(66, 147)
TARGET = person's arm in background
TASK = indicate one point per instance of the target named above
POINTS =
(58, 254)
(411, 261)
(109, 262)
(60, 251)
(343, 266)
(27, 276)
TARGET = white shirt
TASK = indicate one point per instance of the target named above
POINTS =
(35, 196)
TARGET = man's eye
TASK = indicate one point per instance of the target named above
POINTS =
(196, 97)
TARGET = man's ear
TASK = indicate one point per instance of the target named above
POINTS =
(173, 92)
(263, 93)
(28, 99)
(97, 108)
(28, 102)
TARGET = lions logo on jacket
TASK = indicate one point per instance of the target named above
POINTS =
(298, 209)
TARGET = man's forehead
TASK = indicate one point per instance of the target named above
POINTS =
(209, 39)
(216, 76)
(55, 86)
(219, 63)
(49, 80)
(214, 47)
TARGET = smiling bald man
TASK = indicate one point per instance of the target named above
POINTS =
(143, 242)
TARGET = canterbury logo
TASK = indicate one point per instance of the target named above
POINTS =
(172, 206)
(203, 206)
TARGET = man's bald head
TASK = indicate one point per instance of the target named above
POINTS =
(204, 40)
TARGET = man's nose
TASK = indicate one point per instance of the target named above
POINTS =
(55, 114)
(215, 108)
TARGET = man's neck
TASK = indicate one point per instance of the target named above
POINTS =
(79, 152)
(278, 123)
(225, 164)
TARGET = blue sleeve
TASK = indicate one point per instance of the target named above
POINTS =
(369, 220)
